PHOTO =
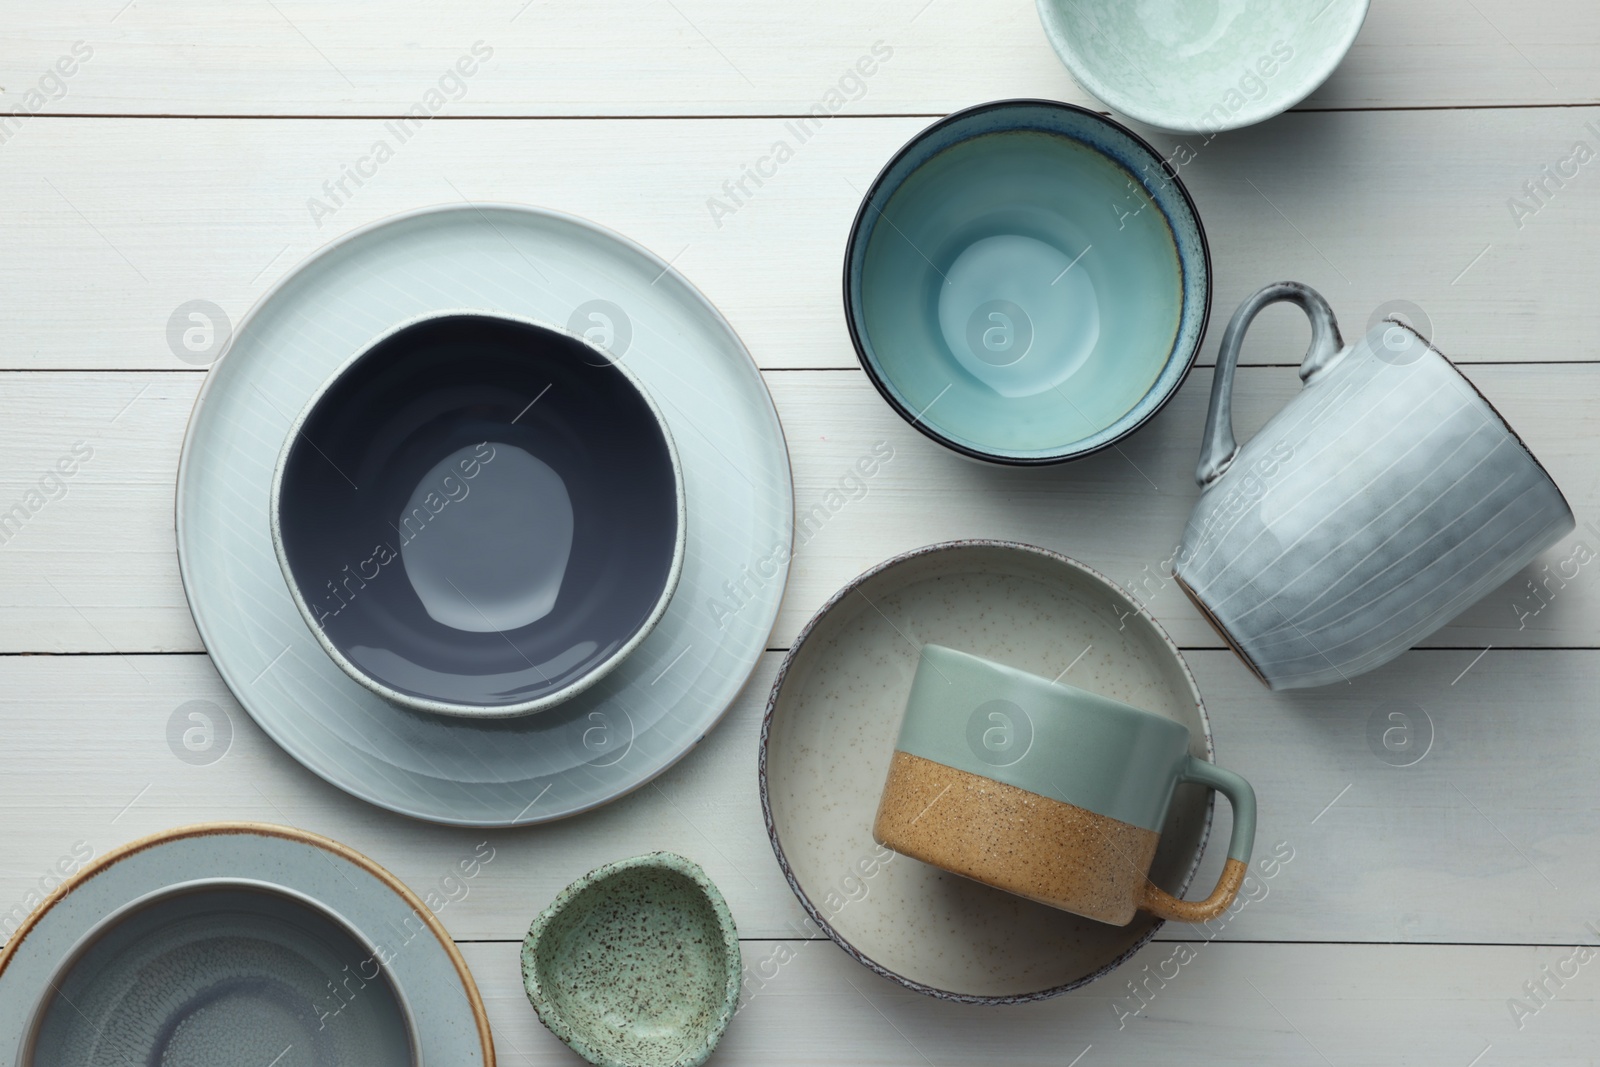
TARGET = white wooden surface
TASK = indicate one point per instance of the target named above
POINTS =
(1368, 206)
(1421, 898)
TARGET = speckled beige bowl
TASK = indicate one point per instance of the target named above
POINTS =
(830, 731)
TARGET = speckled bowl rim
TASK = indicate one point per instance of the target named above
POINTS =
(469, 988)
(551, 1016)
(461, 709)
(772, 828)
(1171, 122)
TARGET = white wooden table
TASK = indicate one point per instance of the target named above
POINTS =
(178, 160)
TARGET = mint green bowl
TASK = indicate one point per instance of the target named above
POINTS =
(1192, 67)
(636, 964)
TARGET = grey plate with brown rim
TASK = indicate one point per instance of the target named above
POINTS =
(409, 946)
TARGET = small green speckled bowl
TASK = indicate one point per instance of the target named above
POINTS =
(636, 964)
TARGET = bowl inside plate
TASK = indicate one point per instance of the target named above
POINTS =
(635, 964)
(830, 732)
(1026, 282)
(480, 514)
(1201, 67)
(222, 972)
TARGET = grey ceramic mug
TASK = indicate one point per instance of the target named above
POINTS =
(1384, 499)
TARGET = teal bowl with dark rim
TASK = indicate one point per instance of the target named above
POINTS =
(1027, 282)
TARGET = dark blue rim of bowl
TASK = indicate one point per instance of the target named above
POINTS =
(857, 226)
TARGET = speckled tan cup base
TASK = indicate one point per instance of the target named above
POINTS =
(1068, 857)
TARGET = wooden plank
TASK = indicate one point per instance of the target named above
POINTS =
(1224, 1004)
(1484, 837)
(119, 724)
(94, 569)
(109, 237)
(699, 57)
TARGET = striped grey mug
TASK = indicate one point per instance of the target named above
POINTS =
(1384, 499)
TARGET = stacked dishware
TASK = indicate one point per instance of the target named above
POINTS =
(458, 509)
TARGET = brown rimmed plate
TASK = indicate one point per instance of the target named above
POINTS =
(406, 947)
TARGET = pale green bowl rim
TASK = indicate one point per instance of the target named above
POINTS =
(557, 1024)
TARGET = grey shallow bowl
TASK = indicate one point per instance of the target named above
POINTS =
(222, 971)
(479, 514)
(636, 964)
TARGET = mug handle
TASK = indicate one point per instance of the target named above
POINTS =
(1164, 905)
(1218, 448)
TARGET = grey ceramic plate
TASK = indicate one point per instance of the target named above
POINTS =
(673, 688)
(831, 725)
(154, 969)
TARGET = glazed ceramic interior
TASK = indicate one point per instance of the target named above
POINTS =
(832, 728)
(635, 968)
(227, 973)
(1201, 67)
(1026, 282)
(480, 513)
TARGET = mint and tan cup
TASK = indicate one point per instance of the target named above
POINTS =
(1047, 791)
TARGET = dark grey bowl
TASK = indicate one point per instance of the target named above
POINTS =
(479, 515)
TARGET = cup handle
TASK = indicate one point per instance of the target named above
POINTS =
(1164, 905)
(1218, 448)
